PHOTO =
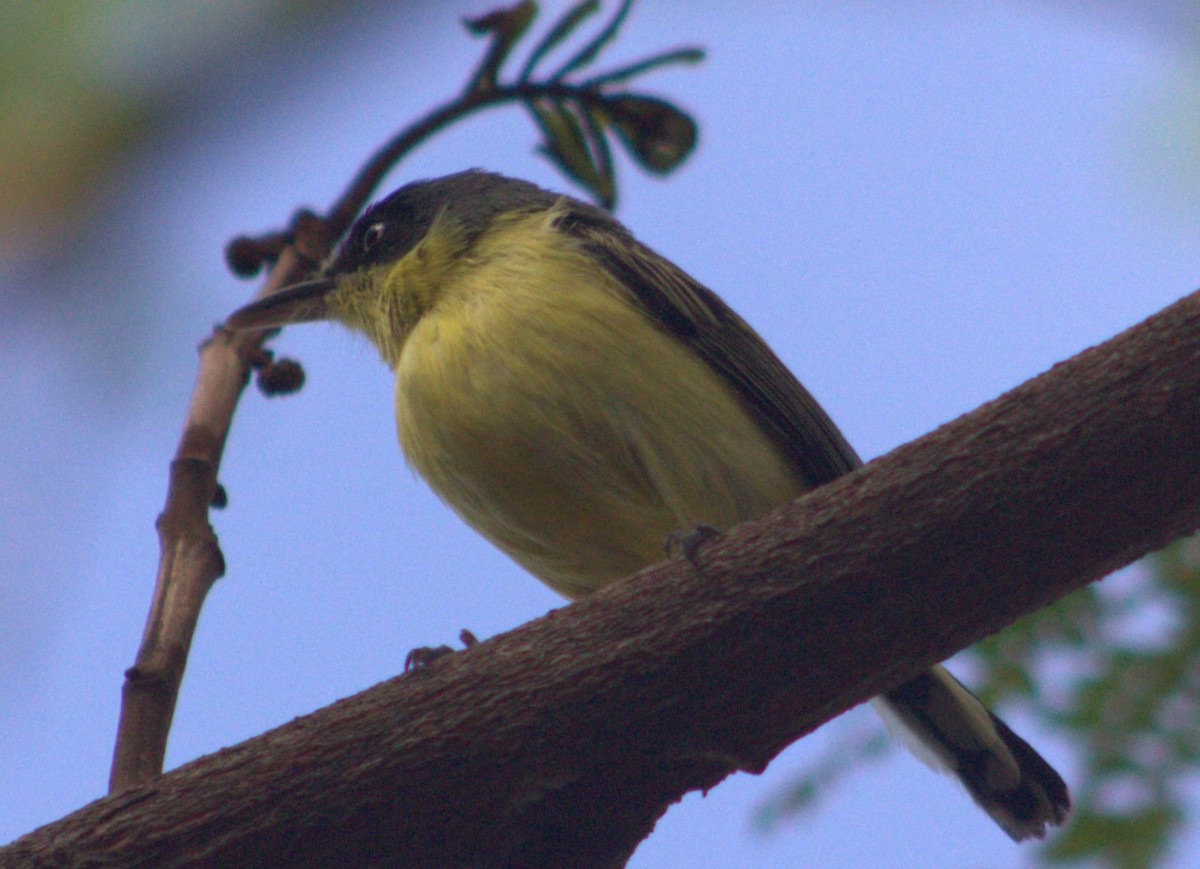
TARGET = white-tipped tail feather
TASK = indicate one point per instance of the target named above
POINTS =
(943, 724)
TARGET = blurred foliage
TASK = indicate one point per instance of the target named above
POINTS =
(63, 117)
(1113, 671)
(85, 86)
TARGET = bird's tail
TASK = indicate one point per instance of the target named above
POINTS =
(944, 725)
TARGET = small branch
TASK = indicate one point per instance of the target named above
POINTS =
(613, 708)
(190, 560)
(379, 164)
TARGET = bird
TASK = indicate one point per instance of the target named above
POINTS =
(578, 398)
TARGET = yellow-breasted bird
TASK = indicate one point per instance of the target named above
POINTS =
(577, 398)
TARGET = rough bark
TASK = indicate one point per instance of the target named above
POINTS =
(562, 743)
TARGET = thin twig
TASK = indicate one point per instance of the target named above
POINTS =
(190, 559)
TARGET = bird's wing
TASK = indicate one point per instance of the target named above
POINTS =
(695, 315)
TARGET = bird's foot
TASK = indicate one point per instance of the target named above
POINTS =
(691, 540)
(422, 656)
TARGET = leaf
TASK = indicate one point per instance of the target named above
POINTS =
(577, 146)
(659, 136)
(688, 56)
(560, 31)
(1127, 840)
(506, 27)
(831, 768)
(588, 53)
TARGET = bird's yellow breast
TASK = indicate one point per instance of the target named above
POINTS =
(562, 424)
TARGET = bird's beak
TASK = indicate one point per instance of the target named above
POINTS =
(299, 303)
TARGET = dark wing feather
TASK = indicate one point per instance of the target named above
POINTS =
(695, 315)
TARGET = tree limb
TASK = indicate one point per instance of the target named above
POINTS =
(563, 742)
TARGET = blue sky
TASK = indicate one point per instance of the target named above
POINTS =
(918, 209)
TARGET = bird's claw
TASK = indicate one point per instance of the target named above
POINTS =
(690, 541)
(422, 656)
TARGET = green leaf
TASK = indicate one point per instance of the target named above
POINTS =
(659, 136)
(560, 31)
(688, 56)
(588, 53)
(829, 770)
(506, 27)
(1128, 840)
(577, 146)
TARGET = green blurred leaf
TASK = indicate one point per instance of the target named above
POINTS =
(803, 793)
(562, 28)
(577, 146)
(505, 27)
(687, 56)
(1113, 671)
(589, 52)
(1120, 840)
(658, 135)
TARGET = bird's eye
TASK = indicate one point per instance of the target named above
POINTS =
(372, 236)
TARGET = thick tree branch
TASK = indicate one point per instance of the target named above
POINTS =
(561, 743)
